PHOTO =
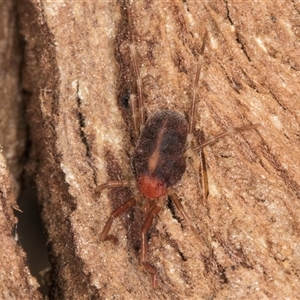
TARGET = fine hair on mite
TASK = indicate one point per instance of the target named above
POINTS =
(159, 158)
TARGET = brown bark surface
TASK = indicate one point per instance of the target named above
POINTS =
(16, 281)
(78, 76)
(12, 125)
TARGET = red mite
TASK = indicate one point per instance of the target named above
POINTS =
(158, 161)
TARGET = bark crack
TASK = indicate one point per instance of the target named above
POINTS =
(83, 136)
(239, 39)
(228, 12)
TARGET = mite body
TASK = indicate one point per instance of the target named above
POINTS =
(158, 160)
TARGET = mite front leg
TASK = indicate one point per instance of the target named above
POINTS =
(149, 268)
(104, 236)
(114, 184)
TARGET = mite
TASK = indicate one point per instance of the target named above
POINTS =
(159, 159)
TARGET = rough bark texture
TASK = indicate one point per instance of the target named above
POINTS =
(12, 124)
(15, 279)
(78, 76)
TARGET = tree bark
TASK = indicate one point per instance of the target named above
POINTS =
(16, 281)
(12, 125)
(78, 76)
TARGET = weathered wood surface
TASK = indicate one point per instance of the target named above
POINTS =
(78, 75)
(16, 281)
(12, 125)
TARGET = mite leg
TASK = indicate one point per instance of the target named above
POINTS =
(202, 166)
(229, 131)
(104, 236)
(195, 86)
(135, 117)
(204, 240)
(199, 148)
(137, 107)
(114, 184)
(149, 268)
(181, 209)
(199, 161)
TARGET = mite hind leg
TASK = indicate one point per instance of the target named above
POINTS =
(179, 206)
(201, 161)
(144, 231)
(197, 152)
(201, 165)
